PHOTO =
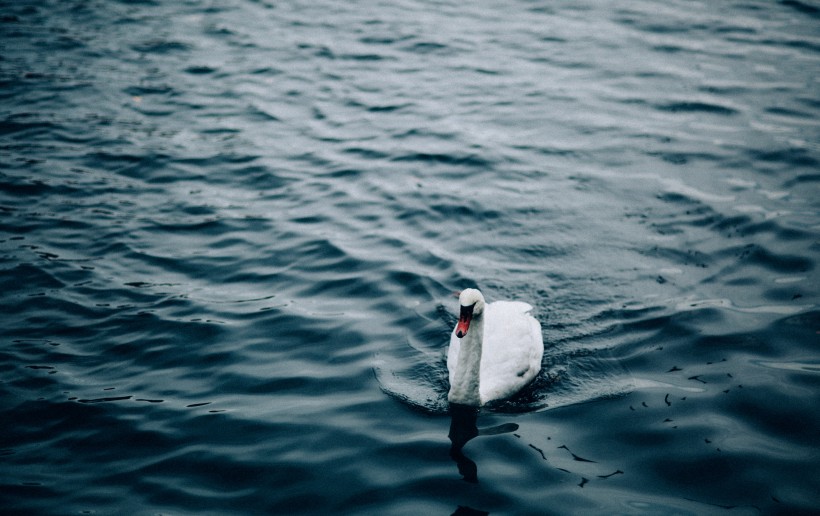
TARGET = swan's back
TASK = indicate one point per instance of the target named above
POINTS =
(511, 353)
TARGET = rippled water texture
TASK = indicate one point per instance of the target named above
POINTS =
(230, 233)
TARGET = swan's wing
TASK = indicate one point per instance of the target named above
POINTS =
(509, 307)
(512, 352)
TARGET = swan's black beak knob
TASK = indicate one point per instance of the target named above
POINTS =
(464, 319)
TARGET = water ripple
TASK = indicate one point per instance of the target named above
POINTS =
(229, 238)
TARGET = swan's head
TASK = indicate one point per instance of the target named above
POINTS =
(471, 304)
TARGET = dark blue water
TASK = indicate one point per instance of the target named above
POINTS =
(230, 232)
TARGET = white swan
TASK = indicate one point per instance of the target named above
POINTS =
(495, 350)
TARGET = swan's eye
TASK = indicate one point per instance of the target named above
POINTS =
(467, 309)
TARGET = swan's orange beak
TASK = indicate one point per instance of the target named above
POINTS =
(464, 319)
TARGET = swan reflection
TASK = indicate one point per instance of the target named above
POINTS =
(463, 428)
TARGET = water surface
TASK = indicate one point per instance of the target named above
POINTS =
(230, 233)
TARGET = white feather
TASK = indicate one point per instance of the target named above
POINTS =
(511, 352)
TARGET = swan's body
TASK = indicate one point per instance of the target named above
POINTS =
(495, 350)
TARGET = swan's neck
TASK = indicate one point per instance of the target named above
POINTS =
(464, 389)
